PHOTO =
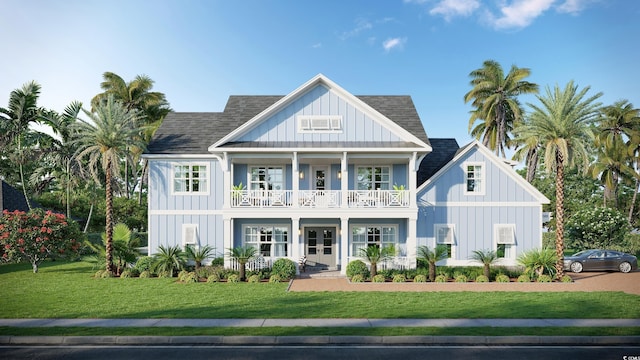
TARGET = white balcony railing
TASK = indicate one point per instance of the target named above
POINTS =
(322, 199)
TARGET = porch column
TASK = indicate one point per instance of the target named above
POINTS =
(344, 244)
(227, 234)
(296, 239)
(413, 180)
(295, 181)
(226, 180)
(344, 181)
(412, 235)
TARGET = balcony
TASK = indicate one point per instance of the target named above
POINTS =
(320, 199)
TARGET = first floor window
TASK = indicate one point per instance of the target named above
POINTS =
(363, 236)
(271, 241)
(373, 178)
(190, 178)
(445, 236)
(505, 239)
(189, 236)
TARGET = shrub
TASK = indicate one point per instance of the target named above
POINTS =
(357, 278)
(442, 278)
(164, 274)
(524, 278)
(233, 278)
(143, 263)
(597, 228)
(254, 279)
(275, 278)
(399, 278)
(145, 274)
(219, 261)
(420, 278)
(566, 279)
(98, 274)
(502, 278)
(106, 274)
(182, 274)
(544, 278)
(191, 277)
(126, 274)
(357, 267)
(539, 261)
(461, 278)
(482, 279)
(169, 260)
(379, 278)
(285, 268)
(213, 278)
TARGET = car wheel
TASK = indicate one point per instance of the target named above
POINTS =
(576, 267)
(625, 267)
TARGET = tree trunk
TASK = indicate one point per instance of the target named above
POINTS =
(242, 272)
(487, 271)
(559, 214)
(374, 269)
(86, 225)
(34, 265)
(145, 168)
(68, 190)
(432, 271)
(532, 164)
(24, 185)
(109, 220)
(633, 202)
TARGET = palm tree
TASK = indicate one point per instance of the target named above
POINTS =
(431, 257)
(494, 97)
(562, 125)
(135, 94)
(105, 141)
(243, 254)
(528, 151)
(168, 260)
(200, 254)
(375, 254)
(486, 258)
(15, 120)
(611, 163)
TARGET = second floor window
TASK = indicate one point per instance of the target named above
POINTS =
(190, 179)
(373, 178)
(474, 179)
(266, 178)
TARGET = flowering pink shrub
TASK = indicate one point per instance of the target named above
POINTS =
(37, 235)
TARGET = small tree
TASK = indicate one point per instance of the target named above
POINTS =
(539, 261)
(37, 235)
(376, 254)
(243, 254)
(486, 258)
(125, 247)
(431, 257)
(168, 260)
(200, 254)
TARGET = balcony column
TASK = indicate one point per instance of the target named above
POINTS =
(344, 244)
(413, 180)
(295, 180)
(344, 181)
(226, 180)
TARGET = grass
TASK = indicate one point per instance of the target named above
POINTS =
(67, 290)
(320, 331)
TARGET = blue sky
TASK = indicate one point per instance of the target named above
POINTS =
(200, 52)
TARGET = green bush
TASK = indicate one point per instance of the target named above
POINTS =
(182, 275)
(420, 278)
(275, 278)
(357, 267)
(98, 274)
(379, 278)
(285, 268)
(213, 278)
(596, 228)
(254, 279)
(143, 263)
(461, 278)
(482, 279)
(442, 278)
(566, 279)
(502, 278)
(106, 274)
(145, 274)
(539, 261)
(165, 274)
(233, 278)
(191, 277)
(524, 278)
(357, 278)
(126, 274)
(399, 278)
(219, 261)
(544, 278)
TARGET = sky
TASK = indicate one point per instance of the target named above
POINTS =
(201, 52)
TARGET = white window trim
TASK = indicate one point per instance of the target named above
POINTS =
(396, 243)
(256, 244)
(204, 192)
(306, 123)
(510, 248)
(436, 230)
(193, 229)
(282, 167)
(371, 167)
(483, 178)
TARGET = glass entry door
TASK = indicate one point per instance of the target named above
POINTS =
(320, 247)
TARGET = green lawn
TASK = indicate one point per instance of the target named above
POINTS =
(67, 290)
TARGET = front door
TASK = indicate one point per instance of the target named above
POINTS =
(320, 247)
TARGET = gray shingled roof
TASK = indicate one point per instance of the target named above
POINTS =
(193, 133)
(12, 199)
(443, 151)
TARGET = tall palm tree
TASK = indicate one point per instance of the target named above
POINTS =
(612, 163)
(375, 255)
(105, 140)
(562, 125)
(243, 254)
(15, 120)
(135, 94)
(494, 97)
(529, 150)
(431, 257)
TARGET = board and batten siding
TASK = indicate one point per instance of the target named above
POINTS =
(168, 211)
(356, 125)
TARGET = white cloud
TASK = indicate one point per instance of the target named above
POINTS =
(361, 25)
(451, 8)
(393, 43)
(520, 13)
(316, 45)
(573, 6)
